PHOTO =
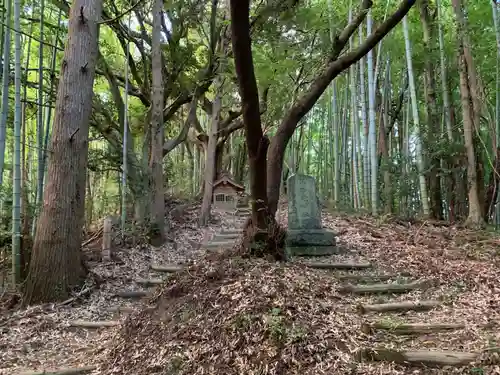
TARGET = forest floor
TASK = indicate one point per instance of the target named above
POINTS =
(290, 319)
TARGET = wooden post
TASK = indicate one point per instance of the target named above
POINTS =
(106, 239)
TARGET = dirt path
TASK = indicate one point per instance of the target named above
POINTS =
(418, 296)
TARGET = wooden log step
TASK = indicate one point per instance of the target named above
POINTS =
(417, 357)
(98, 324)
(339, 266)
(170, 268)
(368, 278)
(410, 329)
(120, 309)
(62, 371)
(232, 231)
(221, 237)
(128, 309)
(399, 306)
(383, 288)
(219, 245)
(149, 282)
(132, 294)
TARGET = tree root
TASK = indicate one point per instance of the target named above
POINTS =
(263, 244)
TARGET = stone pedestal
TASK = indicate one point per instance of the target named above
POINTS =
(306, 236)
(311, 242)
(315, 237)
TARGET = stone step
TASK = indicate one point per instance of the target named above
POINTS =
(243, 212)
(312, 251)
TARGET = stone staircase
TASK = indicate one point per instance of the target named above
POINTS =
(228, 237)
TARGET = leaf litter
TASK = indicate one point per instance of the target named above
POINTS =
(230, 315)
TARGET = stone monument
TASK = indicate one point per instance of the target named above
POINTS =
(306, 236)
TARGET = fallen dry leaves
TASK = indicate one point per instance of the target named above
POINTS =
(227, 315)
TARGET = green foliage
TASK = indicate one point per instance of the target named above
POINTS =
(281, 331)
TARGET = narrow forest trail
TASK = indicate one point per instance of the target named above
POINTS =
(419, 299)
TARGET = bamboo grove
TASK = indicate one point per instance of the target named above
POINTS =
(109, 106)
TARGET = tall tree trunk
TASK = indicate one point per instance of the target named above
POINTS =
(416, 121)
(383, 140)
(372, 127)
(211, 156)
(469, 93)
(157, 230)
(5, 85)
(56, 263)
(366, 153)
(257, 143)
(39, 118)
(475, 217)
(336, 150)
(16, 165)
(433, 128)
(448, 117)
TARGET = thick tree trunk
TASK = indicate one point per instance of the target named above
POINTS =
(219, 157)
(210, 160)
(433, 123)
(56, 263)
(470, 111)
(157, 230)
(474, 218)
(257, 143)
(241, 159)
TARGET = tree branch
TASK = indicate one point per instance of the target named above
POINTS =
(191, 120)
(334, 68)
